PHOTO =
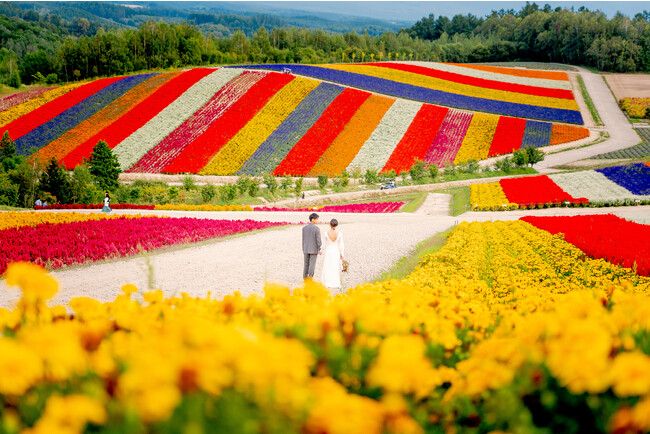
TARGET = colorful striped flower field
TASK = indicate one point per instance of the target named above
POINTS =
(234, 121)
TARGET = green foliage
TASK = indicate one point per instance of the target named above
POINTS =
(253, 187)
(520, 157)
(534, 155)
(271, 182)
(322, 180)
(208, 192)
(371, 176)
(417, 170)
(104, 166)
(344, 178)
(297, 187)
(433, 171)
(450, 169)
(9, 192)
(7, 152)
(56, 181)
(14, 80)
(188, 183)
(243, 183)
(504, 165)
(82, 189)
(228, 193)
(286, 183)
(589, 101)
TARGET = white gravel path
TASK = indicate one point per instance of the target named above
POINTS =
(374, 242)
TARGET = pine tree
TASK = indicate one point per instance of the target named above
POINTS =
(104, 166)
(56, 182)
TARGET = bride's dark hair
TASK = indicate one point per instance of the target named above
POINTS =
(334, 223)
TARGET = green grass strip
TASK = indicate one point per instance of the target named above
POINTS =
(407, 264)
(589, 102)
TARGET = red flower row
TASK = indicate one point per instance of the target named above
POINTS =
(304, 155)
(200, 152)
(614, 239)
(57, 245)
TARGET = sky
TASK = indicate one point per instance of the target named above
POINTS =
(414, 10)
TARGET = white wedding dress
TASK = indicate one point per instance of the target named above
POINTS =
(332, 252)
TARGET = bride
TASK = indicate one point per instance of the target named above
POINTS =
(332, 257)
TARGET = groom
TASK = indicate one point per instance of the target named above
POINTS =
(311, 243)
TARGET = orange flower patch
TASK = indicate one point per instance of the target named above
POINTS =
(567, 133)
(548, 75)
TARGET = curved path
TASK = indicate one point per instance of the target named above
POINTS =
(621, 133)
(374, 242)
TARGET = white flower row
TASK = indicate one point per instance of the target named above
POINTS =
(376, 151)
(593, 185)
(134, 147)
(487, 75)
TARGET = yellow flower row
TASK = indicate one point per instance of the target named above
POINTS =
(15, 112)
(205, 207)
(489, 197)
(502, 311)
(477, 141)
(14, 219)
(241, 147)
(457, 88)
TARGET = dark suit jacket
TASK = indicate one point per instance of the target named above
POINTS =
(311, 241)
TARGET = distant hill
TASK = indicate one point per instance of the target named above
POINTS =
(220, 19)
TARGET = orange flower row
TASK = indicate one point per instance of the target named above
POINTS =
(548, 75)
(567, 133)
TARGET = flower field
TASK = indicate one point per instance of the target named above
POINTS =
(619, 185)
(635, 107)
(58, 242)
(507, 328)
(232, 121)
(536, 100)
(371, 207)
(93, 206)
(603, 236)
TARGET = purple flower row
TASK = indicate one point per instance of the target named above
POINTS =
(432, 96)
(633, 177)
(536, 134)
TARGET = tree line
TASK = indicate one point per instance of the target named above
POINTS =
(46, 49)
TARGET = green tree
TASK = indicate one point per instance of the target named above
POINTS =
(208, 192)
(253, 187)
(243, 183)
(286, 182)
(534, 155)
(271, 182)
(297, 187)
(9, 193)
(82, 189)
(417, 170)
(520, 157)
(322, 180)
(433, 171)
(371, 176)
(228, 193)
(56, 181)
(104, 166)
(7, 152)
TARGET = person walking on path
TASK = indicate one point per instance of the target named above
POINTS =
(107, 201)
(311, 244)
(332, 258)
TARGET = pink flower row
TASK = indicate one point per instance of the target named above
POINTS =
(373, 207)
(92, 206)
(57, 245)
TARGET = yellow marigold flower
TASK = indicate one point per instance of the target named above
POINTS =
(153, 297)
(129, 289)
(69, 414)
(20, 366)
(641, 414)
(631, 374)
(34, 281)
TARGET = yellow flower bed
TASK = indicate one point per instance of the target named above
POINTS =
(503, 327)
(489, 197)
(458, 88)
(14, 219)
(15, 112)
(477, 141)
(241, 147)
(181, 207)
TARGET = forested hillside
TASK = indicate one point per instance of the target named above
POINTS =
(52, 49)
